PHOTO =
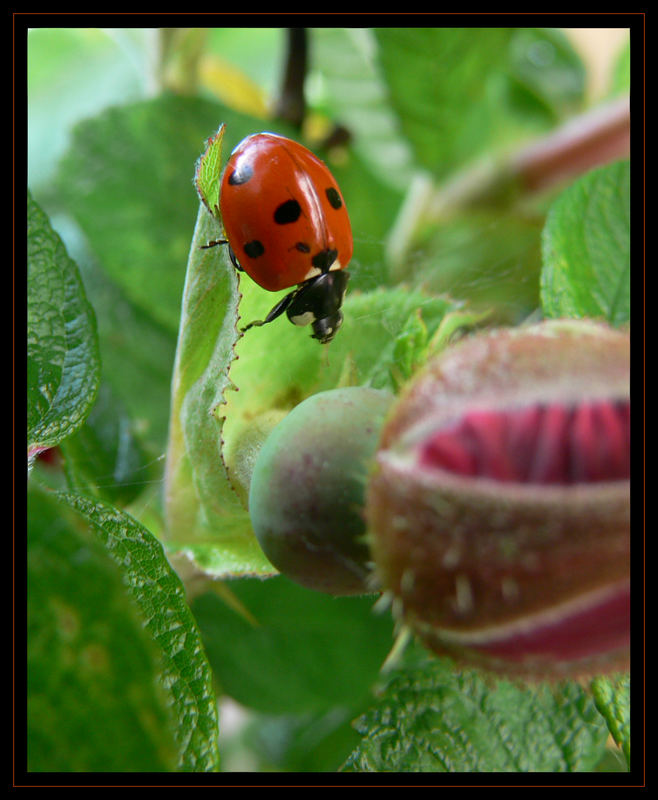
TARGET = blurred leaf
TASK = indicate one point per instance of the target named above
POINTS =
(621, 71)
(356, 95)
(432, 718)
(255, 50)
(137, 354)
(104, 457)
(586, 248)
(63, 366)
(612, 698)
(457, 91)
(548, 71)
(298, 651)
(127, 181)
(318, 742)
(93, 701)
(74, 73)
(490, 259)
(232, 86)
(160, 597)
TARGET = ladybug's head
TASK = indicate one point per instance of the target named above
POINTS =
(326, 328)
(318, 301)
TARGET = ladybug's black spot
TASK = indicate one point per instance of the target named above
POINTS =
(287, 212)
(324, 259)
(241, 175)
(333, 197)
(302, 247)
(254, 248)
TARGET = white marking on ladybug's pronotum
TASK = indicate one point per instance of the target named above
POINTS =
(314, 271)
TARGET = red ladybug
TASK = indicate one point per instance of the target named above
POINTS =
(286, 225)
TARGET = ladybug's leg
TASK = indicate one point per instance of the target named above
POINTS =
(234, 259)
(231, 254)
(278, 309)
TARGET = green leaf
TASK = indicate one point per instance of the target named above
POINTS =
(357, 96)
(72, 73)
(294, 650)
(160, 597)
(432, 718)
(208, 171)
(204, 515)
(94, 703)
(62, 350)
(612, 698)
(137, 354)
(310, 742)
(373, 206)
(621, 73)
(127, 181)
(461, 93)
(546, 72)
(104, 457)
(586, 248)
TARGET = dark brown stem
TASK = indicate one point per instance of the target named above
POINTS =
(292, 105)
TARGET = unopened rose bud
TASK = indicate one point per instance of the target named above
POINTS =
(308, 489)
(499, 508)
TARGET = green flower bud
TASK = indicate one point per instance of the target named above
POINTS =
(308, 489)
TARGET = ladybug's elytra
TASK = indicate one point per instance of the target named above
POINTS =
(286, 225)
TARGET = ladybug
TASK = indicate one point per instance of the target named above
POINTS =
(286, 225)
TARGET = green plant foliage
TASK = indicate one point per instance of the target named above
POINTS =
(586, 248)
(155, 600)
(63, 365)
(612, 697)
(431, 718)
(621, 75)
(126, 173)
(202, 510)
(160, 597)
(321, 651)
(94, 703)
(104, 456)
(459, 92)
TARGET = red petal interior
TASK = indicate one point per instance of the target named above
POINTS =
(543, 444)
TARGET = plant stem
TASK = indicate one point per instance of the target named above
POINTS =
(291, 106)
(596, 137)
